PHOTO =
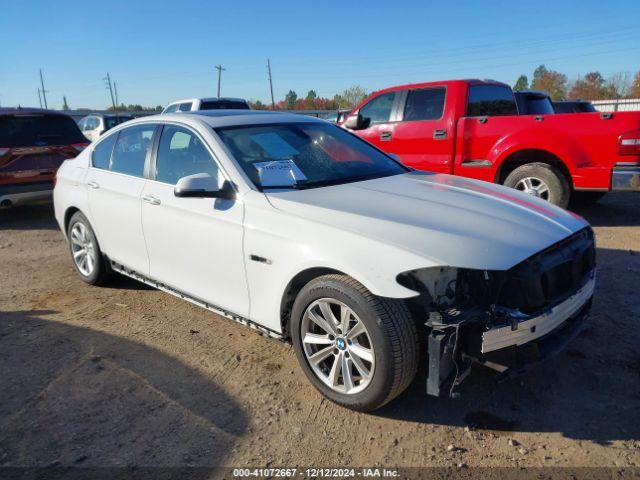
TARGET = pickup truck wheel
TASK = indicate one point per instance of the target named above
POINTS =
(357, 349)
(87, 258)
(541, 180)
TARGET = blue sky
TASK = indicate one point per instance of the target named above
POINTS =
(161, 51)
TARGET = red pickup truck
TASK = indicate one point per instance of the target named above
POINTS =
(472, 128)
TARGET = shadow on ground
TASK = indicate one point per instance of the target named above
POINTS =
(587, 392)
(32, 217)
(99, 400)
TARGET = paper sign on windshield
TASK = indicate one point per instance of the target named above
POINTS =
(279, 173)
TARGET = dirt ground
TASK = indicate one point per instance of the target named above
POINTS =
(130, 376)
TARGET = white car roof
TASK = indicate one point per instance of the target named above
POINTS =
(229, 118)
(208, 99)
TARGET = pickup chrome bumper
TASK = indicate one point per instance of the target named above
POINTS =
(625, 179)
(530, 329)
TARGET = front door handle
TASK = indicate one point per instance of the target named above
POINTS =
(439, 134)
(385, 136)
(151, 200)
(93, 184)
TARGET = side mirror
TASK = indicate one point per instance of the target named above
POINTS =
(354, 122)
(203, 185)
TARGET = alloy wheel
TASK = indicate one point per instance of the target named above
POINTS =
(83, 249)
(533, 186)
(337, 346)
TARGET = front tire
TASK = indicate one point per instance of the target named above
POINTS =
(357, 349)
(86, 255)
(541, 180)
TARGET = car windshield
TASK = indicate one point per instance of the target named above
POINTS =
(305, 155)
(223, 105)
(110, 122)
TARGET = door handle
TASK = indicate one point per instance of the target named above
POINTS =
(93, 184)
(439, 134)
(151, 200)
(385, 136)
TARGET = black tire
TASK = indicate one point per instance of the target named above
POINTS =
(586, 198)
(101, 271)
(393, 336)
(559, 190)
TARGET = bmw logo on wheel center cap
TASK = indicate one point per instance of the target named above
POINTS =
(340, 343)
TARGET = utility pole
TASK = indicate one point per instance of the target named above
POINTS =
(273, 104)
(115, 90)
(39, 98)
(44, 92)
(220, 69)
(107, 81)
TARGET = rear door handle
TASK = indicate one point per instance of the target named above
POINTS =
(385, 136)
(93, 184)
(439, 134)
(151, 200)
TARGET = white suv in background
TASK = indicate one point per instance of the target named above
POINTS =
(93, 126)
(195, 104)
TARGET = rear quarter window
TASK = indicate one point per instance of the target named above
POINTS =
(101, 157)
(38, 130)
(490, 101)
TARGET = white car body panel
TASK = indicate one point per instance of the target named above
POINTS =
(371, 230)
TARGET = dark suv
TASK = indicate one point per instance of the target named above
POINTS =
(33, 144)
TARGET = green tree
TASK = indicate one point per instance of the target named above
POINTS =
(522, 83)
(311, 96)
(65, 105)
(351, 97)
(290, 100)
(555, 83)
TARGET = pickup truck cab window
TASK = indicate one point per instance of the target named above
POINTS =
(424, 104)
(378, 110)
(185, 107)
(180, 154)
(171, 108)
(490, 100)
(130, 151)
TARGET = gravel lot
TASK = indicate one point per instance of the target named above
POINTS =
(130, 376)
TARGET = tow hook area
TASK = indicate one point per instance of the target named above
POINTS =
(450, 331)
(455, 344)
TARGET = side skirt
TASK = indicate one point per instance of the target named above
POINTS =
(121, 269)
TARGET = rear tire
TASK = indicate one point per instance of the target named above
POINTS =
(541, 180)
(86, 256)
(363, 363)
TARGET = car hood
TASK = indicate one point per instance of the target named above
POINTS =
(448, 220)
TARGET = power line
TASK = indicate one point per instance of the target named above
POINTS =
(44, 92)
(220, 69)
(273, 105)
(107, 80)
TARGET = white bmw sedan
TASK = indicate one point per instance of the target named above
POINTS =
(298, 228)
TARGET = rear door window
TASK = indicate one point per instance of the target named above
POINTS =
(490, 100)
(378, 110)
(424, 104)
(130, 151)
(38, 130)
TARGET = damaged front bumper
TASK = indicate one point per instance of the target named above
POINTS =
(513, 346)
